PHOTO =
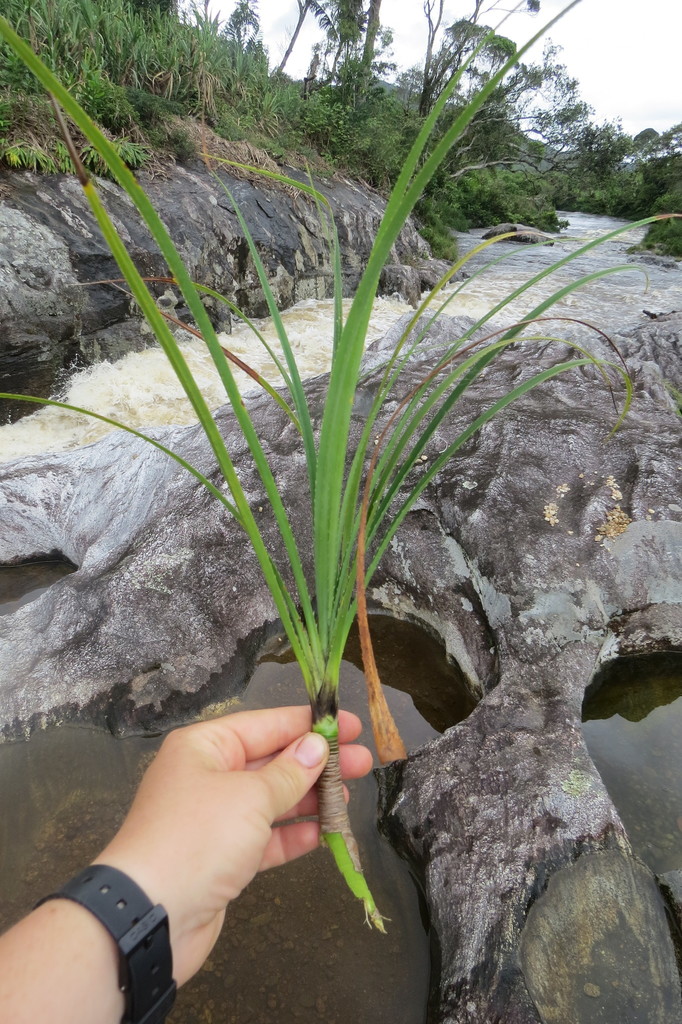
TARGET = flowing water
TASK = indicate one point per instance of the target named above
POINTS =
(611, 302)
(141, 390)
(632, 724)
(294, 946)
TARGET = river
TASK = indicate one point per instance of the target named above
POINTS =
(142, 391)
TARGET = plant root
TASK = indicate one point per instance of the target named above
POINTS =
(337, 834)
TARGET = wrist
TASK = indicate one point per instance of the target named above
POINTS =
(75, 960)
(150, 875)
(139, 932)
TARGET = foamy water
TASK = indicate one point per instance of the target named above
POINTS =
(141, 390)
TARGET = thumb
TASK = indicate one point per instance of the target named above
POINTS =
(290, 775)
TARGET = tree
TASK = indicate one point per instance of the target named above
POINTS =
(373, 25)
(243, 25)
(644, 139)
(306, 7)
(532, 120)
(600, 150)
(348, 23)
(459, 40)
(433, 9)
(661, 174)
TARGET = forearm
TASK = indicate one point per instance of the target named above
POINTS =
(59, 965)
(199, 829)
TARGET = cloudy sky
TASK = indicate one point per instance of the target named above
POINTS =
(624, 53)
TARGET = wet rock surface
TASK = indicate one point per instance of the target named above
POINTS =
(577, 931)
(397, 279)
(538, 553)
(662, 346)
(51, 318)
(521, 234)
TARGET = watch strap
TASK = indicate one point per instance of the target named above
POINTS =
(139, 929)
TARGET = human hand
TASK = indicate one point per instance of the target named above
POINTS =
(200, 827)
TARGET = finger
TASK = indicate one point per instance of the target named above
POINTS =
(307, 806)
(289, 842)
(350, 726)
(263, 732)
(289, 776)
(355, 760)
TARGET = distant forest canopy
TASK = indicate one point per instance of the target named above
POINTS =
(143, 68)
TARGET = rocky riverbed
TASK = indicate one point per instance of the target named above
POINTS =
(544, 551)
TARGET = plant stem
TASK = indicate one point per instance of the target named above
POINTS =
(335, 827)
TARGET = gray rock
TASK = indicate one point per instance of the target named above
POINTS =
(500, 229)
(524, 235)
(660, 342)
(410, 281)
(51, 247)
(402, 280)
(431, 272)
(534, 556)
(654, 259)
(671, 887)
(586, 949)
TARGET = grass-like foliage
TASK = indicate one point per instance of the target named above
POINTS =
(135, 71)
(359, 492)
(100, 48)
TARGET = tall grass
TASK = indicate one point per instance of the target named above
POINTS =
(358, 492)
(92, 44)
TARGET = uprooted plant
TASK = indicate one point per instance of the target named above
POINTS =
(351, 524)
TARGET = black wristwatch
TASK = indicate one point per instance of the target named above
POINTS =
(139, 929)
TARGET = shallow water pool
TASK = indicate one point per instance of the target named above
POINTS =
(633, 729)
(294, 946)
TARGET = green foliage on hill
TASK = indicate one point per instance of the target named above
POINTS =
(145, 71)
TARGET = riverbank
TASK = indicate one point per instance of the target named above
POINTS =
(58, 313)
(140, 389)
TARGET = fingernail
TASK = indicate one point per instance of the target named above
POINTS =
(311, 750)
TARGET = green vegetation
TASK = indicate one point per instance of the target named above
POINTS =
(144, 70)
(359, 488)
(137, 69)
(608, 172)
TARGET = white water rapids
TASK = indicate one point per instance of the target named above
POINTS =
(141, 390)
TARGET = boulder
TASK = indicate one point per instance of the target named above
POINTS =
(659, 342)
(524, 235)
(52, 316)
(431, 272)
(534, 555)
(654, 259)
(402, 280)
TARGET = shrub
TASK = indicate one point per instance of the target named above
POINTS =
(106, 103)
(665, 237)
(180, 144)
(151, 110)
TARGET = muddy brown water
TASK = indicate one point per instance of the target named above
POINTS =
(633, 730)
(294, 946)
